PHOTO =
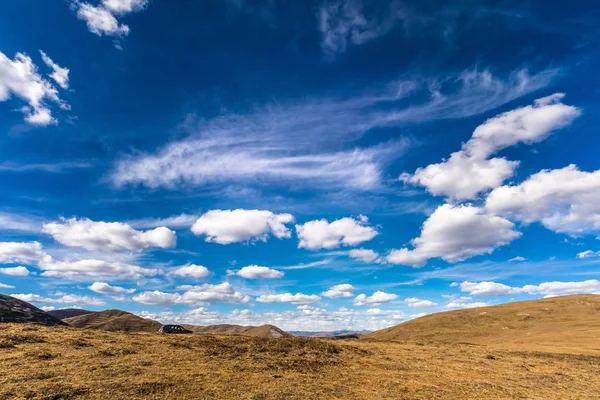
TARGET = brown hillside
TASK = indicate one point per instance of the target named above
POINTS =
(256, 331)
(561, 323)
(68, 313)
(15, 310)
(114, 320)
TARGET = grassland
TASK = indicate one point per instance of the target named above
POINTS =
(567, 324)
(39, 362)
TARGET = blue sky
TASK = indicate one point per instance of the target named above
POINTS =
(317, 165)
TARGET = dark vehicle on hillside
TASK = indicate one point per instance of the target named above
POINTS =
(173, 329)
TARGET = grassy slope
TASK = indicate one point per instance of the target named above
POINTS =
(68, 363)
(114, 320)
(258, 331)
(557, 323)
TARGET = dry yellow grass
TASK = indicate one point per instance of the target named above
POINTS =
(39, 362)
(556, 324)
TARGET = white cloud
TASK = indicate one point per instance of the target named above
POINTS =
(344, 22)
(588, 254)
(47, 308)
(157, 298)
(556, 288)
(201, 294)
(16, 271)
(376, 299)
(108, 236)
(5, 286)
(59, 74)
(591, 286)
(23, 252)
(320, 234)
(100, 20)
(121, 7)
(455, 233)
(517, 258)
(231, 226)
(337, 291)
(192, 270)
(105, 288)
(86, 269)
(471, 171)
(297, 298)
(418, 303)
(313, 142)
(66, 299)
(564, 200)
(364, 255)
(256, 272)
(16, 222)
(487, 288)
(20, 77)
(464, 302)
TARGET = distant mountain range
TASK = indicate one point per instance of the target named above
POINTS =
(329, 333)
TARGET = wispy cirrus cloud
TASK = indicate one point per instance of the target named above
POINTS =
(314, 142)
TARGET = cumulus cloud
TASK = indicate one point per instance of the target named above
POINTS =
(20, 78)
(337, 291)
(364, 255)
(231, 226)
(320, 234)
(556, 288)
(588, 254)
(376, 299)
(201, 294)
(418, 303)
(297, 298)
(455, 233)
(68, 298)
(108, 236)
(564, 200)
(256, 272)
(59, 74)
(15, 271)
(92, 269)
(22, 252)
(464, 302)
(470, 171)
(157, 298)
(105, 288)
(120, 7)
(191, 270)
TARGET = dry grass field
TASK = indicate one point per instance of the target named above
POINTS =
(39, 362)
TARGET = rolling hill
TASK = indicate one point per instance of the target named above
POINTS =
(113, 320)
(15, 310)
(561, 323)
(68, 313)
(266, 331)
